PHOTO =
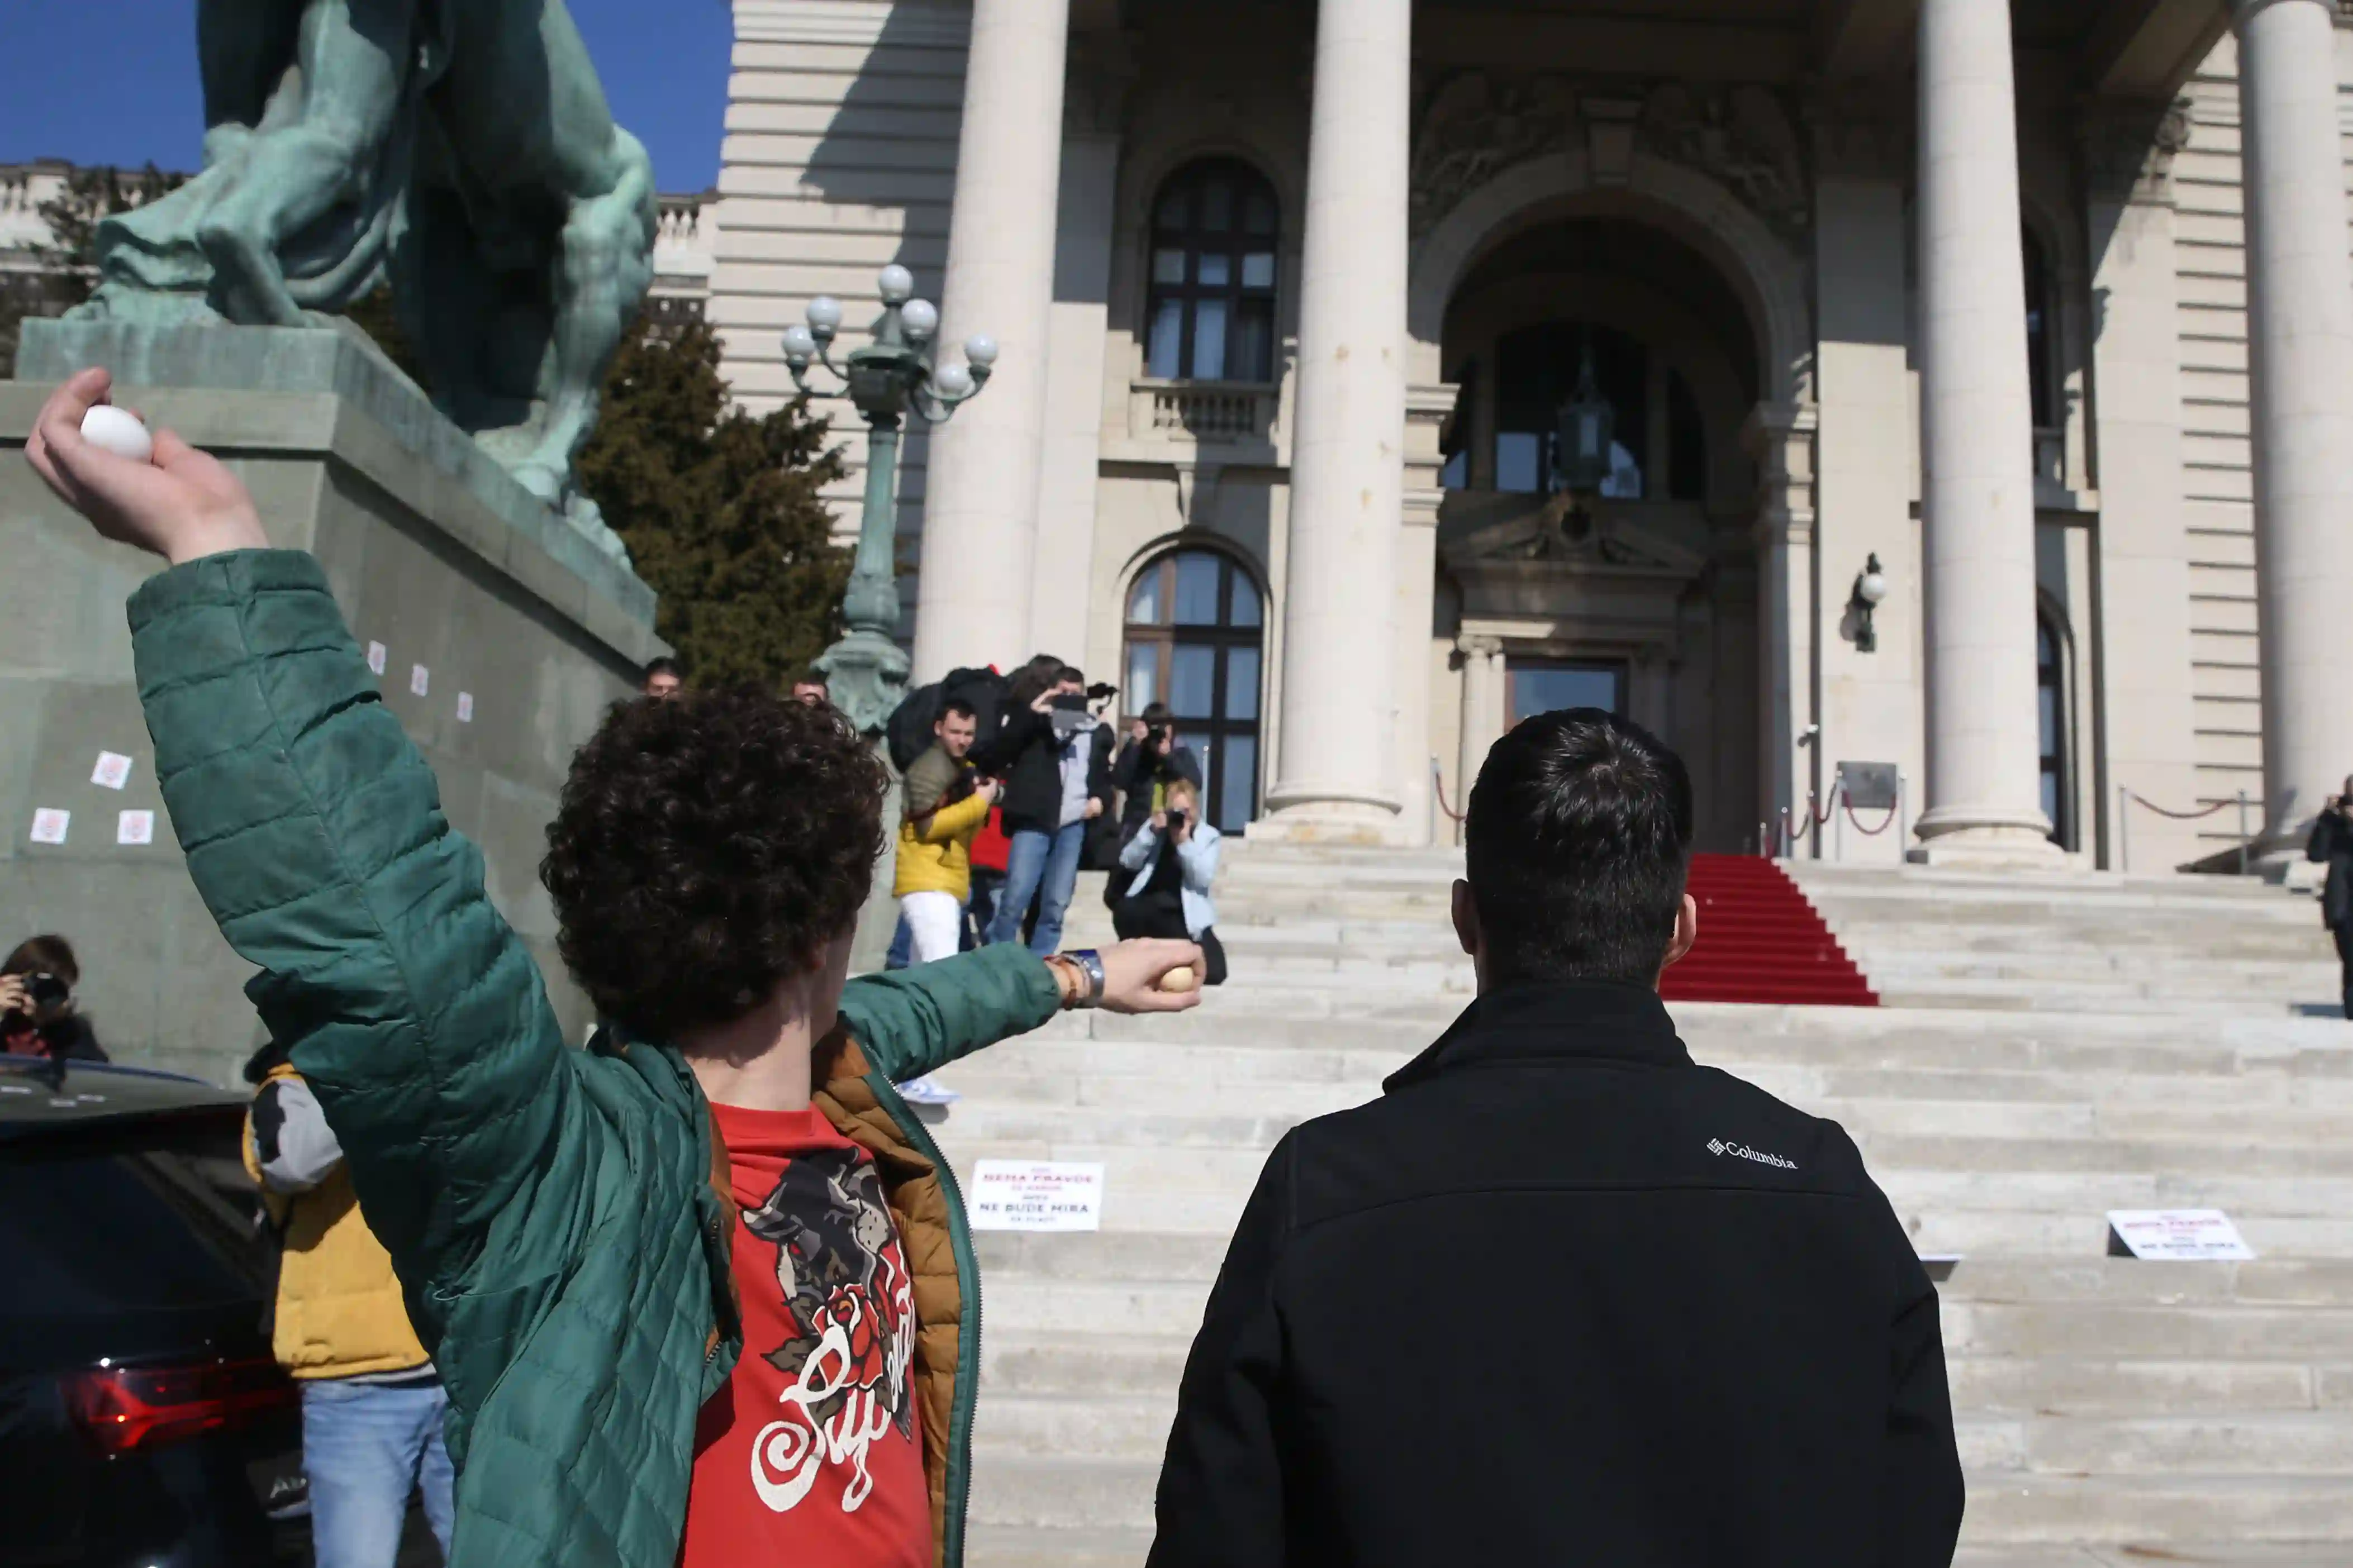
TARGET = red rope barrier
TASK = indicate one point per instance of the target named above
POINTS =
(1884, 823)
(1814, 822)
(1437, 783)
(2178, 815)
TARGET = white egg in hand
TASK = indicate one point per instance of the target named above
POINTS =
(118, 431)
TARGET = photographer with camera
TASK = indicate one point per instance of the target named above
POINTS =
(1149, 762)
(1055, 783)
(2331, 845)
(1167, 868)
(36, 1004)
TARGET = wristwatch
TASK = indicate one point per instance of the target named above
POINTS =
(1089, 964)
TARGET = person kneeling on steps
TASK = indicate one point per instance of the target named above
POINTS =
(1169, 865)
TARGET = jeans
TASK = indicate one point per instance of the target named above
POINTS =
(365, 1447)
(1045, 865)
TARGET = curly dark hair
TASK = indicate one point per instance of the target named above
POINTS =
(707, 848)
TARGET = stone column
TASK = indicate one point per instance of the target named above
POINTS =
(2300, 308)
(1335, 771)
(1977, 422)
(1781, 437)
(1482, 716)
(2143, 708)
(982, 485)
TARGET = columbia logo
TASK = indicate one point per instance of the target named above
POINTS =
(1742, 1152)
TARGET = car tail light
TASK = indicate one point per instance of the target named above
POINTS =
(128, 1408)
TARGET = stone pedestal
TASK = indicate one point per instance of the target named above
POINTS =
(506, 635)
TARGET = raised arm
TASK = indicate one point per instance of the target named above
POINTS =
(1198, 855)
(314, 831)
(942, 824)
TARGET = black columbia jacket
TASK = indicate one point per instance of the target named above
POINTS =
(1561, 1296)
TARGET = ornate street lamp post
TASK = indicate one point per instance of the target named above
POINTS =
(890, 380)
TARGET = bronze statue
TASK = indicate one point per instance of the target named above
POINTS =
(461, 150)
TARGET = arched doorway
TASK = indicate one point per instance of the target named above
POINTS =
(1641, 596)
(1195, 627)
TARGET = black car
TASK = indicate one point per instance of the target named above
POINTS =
(143, 1420)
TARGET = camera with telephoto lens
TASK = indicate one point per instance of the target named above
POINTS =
(1177, 817)
(46, 990)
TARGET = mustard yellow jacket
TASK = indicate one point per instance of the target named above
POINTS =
(938, 860)
(339, 1311)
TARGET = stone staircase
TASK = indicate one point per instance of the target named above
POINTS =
(2051, 1049)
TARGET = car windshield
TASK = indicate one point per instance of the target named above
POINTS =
(126, 1237)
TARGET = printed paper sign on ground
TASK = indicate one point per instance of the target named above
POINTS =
(2199, 1234)
(1036, 1195)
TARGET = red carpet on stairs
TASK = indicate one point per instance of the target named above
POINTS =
(1760, 941)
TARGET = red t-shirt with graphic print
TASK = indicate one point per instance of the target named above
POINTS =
(813, 1452)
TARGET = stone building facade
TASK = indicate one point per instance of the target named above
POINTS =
(2016, 301)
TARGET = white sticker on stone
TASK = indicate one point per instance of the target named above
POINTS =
(419, 680)
(50, 824)
(1037, 1195)
(134, 827)
(465, 707)
(376, 656)
(2201, 1235)
(113, 770)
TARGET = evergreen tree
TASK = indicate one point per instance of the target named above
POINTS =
(720, 510)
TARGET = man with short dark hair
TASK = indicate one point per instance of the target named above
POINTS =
(944, 805)
(1149, 761)
(809, 688)
(1560, 1295)
(664, 677)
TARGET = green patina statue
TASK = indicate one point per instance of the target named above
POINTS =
(461, 149)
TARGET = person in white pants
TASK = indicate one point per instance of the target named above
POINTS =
(945, 805)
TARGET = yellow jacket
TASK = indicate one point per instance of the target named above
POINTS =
(339, 1311)
(938, 860)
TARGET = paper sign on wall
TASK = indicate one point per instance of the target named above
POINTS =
(113, 770)
(50, 824)
(465, 707)
(2199, 1234)
(376, 656)
(1036, 1195)
(418, 680)
(134, 827)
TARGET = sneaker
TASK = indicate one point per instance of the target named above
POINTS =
(923, 1091)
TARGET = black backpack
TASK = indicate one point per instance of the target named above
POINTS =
(909, 731)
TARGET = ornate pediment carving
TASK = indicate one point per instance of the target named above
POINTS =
(1476, 124)
(1560, 532)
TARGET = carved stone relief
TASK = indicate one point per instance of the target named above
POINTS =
(1476, 124)
(2129, 148)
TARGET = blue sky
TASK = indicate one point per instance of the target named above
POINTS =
(114, 81)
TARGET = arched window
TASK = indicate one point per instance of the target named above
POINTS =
(1210, 314)
(2050, 681)
(2039, 335)
(1537, 371)
(1194, 621)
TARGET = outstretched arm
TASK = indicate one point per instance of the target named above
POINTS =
(313, 830)
(917, 1020)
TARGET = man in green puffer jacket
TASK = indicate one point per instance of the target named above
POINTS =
(585, 1238)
